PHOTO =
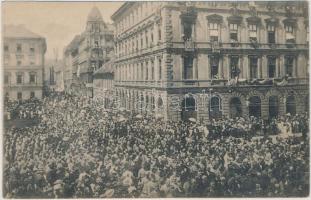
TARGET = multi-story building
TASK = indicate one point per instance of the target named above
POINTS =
(87, 52)
(212, 59)
(103, 83)
(23, 61)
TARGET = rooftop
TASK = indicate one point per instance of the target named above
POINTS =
(94, 15)
(19, 31)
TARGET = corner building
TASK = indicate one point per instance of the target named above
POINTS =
(212, 59)
(86, 53)
(23, 63)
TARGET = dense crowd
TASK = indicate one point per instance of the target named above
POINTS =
(79, 149)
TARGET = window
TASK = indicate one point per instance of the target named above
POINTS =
(213, 31)
(187, 31)
(19, 96)
(253, 66)
(289, 65)
(146, 36)
(160, 69)
(233, 32)
(96, 43)
(188, 68)
(18, 47)
(32, 50)
(19, 63)
(214, 67)
(271, 67)
(271, 34)
(6, 59)
(234, 70)
(19, 79)
(159, 34)
(6, 48)
(215, 107)
(32, 95)
(252, 32)
(32, 78)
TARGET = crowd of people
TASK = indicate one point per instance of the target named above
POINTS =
(81, 150)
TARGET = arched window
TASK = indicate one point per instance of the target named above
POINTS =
(255, 106)
(291, 105)
(235, 107)
(273, 107)
(188, 107)
(160, 103)
(215, 110)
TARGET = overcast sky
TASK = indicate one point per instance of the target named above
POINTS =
(58, 22)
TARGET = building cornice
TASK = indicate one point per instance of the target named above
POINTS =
(121, 10)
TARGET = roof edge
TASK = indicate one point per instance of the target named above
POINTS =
(122, 8)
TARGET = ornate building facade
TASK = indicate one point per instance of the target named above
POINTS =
(23, 63)
(87, 52)
(212, 59)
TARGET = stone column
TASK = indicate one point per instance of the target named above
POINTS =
(241, 61)
(226, 67)
(264, 67)
(195, 67)
(282, 105)
(156, 68)
(282, 66)
(245, 67)
(221, 67)
(208, 67)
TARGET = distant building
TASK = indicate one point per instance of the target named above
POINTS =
(103, 83)
(212, 59)
(23, 61)
(87, 52)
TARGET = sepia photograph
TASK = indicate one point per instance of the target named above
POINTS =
(155, 99)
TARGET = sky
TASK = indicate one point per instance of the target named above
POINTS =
(58, 22)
